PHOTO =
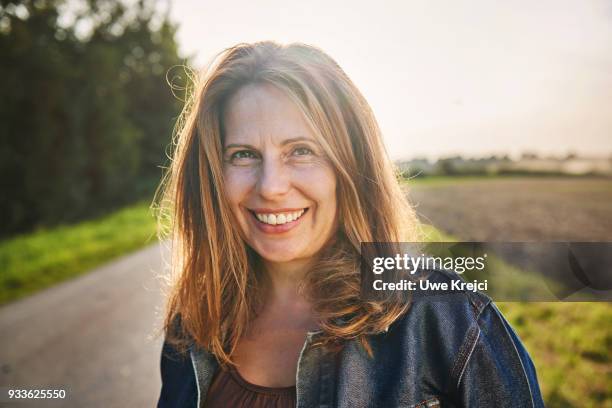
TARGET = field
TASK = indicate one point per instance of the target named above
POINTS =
(570, 343)
(517, 208)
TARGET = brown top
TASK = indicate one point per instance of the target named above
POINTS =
(229, 389)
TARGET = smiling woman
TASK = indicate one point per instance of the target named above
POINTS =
(278, 175)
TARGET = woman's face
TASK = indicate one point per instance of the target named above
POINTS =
(280, 185)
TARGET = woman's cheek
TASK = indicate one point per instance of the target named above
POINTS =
(238, 182)
(317, 181)
(317, 169)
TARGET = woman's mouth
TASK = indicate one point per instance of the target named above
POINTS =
(277, 221)
(279, 218)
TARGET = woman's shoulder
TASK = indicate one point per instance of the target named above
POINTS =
(442, 314)
(179, 388)
(441, 302)
(460, 337)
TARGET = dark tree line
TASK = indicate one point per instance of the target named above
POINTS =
(85, 109)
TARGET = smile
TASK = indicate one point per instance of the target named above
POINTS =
(270, 221)
(279, 218)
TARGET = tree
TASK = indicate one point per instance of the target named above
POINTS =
(85, 116)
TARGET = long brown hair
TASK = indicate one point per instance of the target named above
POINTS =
(216, 286)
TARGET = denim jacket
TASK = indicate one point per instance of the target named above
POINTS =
(450, 350)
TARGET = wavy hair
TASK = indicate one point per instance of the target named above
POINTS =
(217, 279)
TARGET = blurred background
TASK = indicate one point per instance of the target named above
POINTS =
(498, 116)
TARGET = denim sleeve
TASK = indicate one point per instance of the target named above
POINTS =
(498, 371)
(179, 389)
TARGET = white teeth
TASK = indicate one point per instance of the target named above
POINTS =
(280, 218)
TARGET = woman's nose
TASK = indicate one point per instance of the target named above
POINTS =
(274, 180)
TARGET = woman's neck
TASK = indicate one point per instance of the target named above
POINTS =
(285, 303)
(284, 280)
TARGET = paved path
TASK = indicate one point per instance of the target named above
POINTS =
(93, 336)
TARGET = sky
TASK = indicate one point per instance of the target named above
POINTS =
(445, 77)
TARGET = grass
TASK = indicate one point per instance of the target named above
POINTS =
(442, 180)
(579, 182)
(436, 181)
(35, 261)
(569, 343)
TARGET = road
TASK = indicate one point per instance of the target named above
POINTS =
(94, 336)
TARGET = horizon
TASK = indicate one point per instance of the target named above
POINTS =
(499, 156)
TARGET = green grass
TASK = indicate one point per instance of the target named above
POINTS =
(436, 181)
(569, 343)
(35, 261)
(443, 180)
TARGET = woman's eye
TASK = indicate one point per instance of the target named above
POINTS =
(243, 158)
(243, 155)
(302, 151)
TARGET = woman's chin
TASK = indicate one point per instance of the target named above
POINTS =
(278, 254)
(278, 257)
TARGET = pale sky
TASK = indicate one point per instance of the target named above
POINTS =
(445, 77)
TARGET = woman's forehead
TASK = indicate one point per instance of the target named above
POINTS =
(262, 112)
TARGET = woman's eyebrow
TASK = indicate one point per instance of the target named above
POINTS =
(283, 143)
(234, 145)
(297, 139)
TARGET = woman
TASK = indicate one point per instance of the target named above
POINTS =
(279, 173)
